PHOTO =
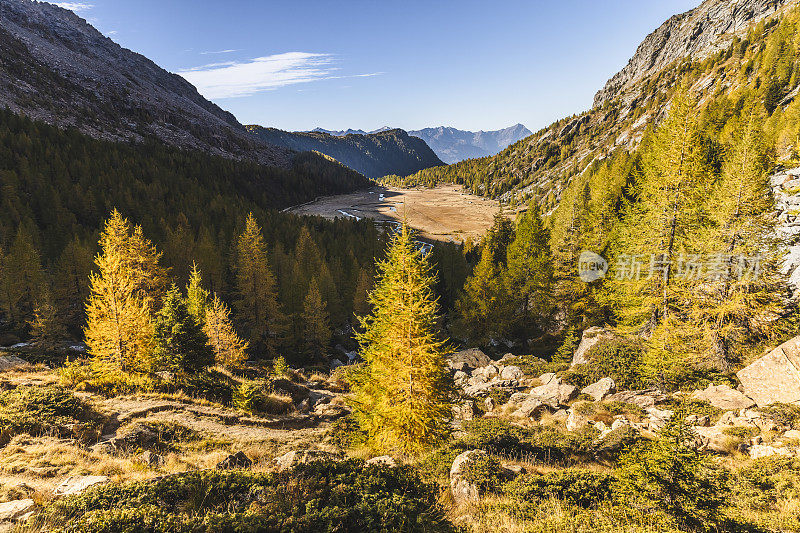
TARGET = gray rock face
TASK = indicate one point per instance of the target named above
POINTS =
(530, 408)
(453, 145)
(589, 338)
(696, 33)
(774, 377)
(600, 389)
(78, 484)
(68, 73)
(463, 490)
(724, 397)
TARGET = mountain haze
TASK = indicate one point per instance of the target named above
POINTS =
(453, 145)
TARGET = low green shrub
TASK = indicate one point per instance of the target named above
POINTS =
(322, 496)
(582, 488)
(255, 397)
(485, 472)
(346, 433)
(545, 444)
(173, 432)
(208, 384)
(692, 406)
(434, 467)
(47, 409)
(617, 358)
(615, 443)
(765, 482)
(741, 432)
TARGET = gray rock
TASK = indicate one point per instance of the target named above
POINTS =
(384, 460)
(757, 451)
(15, 510)
(600, 389)
(78, 484)
(512, 372)
(473, 358)
(643, 398)
(724, 397)
(531, 408)
(774, 377)
(462, 490)
(290, 459)
(518, 398)
(575, 420)
(658, 417)
(237, 460)
(464, 411)
(712, 438)
(549, 378)
(555, 394)
(152, 459)
(590, 337)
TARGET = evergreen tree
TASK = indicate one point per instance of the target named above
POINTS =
(180, 343)
(119, 330)
(530, 275)
(363, 287)
(22, 279)
(257, 302)
(229, 349)
(400, 399)
(71, 284)
(196, 296)
(316, 329)
(47, 326)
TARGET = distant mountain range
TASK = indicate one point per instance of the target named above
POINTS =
(453, 145)
(380, 153)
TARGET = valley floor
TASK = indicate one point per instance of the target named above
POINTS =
(443, 213)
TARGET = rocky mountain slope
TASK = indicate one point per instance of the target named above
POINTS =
(453, 145)
(374, 154)
(57, 68)
(698, 33)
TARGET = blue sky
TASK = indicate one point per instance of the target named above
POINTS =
(299, 64)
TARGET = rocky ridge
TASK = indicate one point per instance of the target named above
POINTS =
(57, 68)
(698, 33)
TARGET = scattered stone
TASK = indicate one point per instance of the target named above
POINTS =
(237, 460)
(555, 394)
(488, 404)
(589, 338)
(548, 378)
(290, 459)
(486, 372)
(658, 418)
(530, 408)
(385, 460)
(139, 435)
(518, 398)
(724, 397)
(758, 451)
(152, 459)
(774, 377)
(643, 398)
(473, 358)
(792, 434)
(286, 387)
(15, 510)
(12, 362)
(464, 411)
(78, 484)
(712, 438)
(512, 372)
(600, 389)
(463, 490)
(575, 420)
(698, 420)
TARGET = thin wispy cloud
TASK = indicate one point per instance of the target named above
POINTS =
(233, 79)
(74, 6)
(219, 52)
(112, 32)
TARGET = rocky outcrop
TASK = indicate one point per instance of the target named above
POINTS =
(590, 337)
(453, 145)
(15, 511)
(723, 397)
(78, 484)
(236, 460)
(600, 389)
(463, 491)
(786, 191)
(295, 457)
(774, 377)
(471, 358)
(697, 33)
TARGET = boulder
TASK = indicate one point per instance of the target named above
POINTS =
(774, 377)
(384, 460)
(486, 372)
(723, 397)
(512, 372)
(78, 484)
(138, 435)
(712, 438)
(575, 420)
(658, 418)
(290, 459)
(12, 362)
(600, 389)
(590, 337)
(463, 490)
(555, 393)
(531, 407)
(758, 451)
(643, 398)
(464, 411)
(15, 510)
(151, 459)
(488, 404)
(473, 358)
(548, 378)
(237, 460)
(289, 388)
